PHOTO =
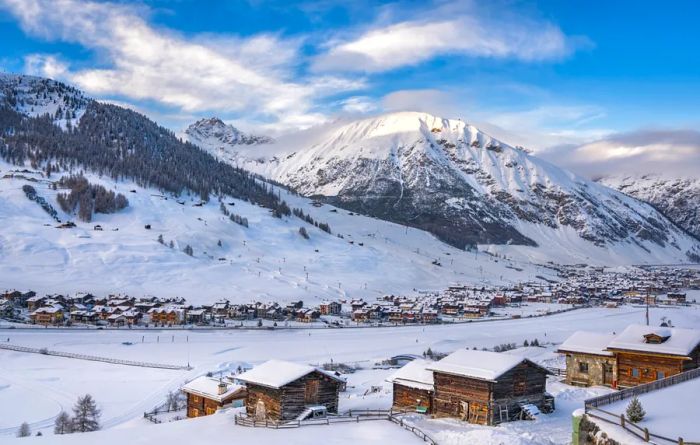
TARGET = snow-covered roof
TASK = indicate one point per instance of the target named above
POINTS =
(483, 365)
(277, 373)
(588, 343)
(208, 387)
(679, 342)
(414, 375)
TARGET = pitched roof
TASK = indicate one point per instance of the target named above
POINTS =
(414, 375)
(587, 343)
(278, 373)
(208, 387)
(482, 365)
(680, 341)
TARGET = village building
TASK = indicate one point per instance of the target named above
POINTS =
(205, 395)
(488, 388)
(330, 308)
(47, 315)
(280, 390)
(639, 354)
(588, 362)
(413, 387)
(645, 354)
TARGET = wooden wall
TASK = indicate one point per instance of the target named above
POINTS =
(647, 366)
(198, 406)
(406, 397)
(451, 390)
(288, 402)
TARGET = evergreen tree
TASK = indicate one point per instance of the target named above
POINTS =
(635, 411)
(24, 430)
(63, 424)
(188, 250)
(160, 239)
(303, 232)
(86, 415)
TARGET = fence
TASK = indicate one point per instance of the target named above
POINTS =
(592, 406)
(642, 389)
(642, 433)
(93, 358)
(414, 429)
(354, 416)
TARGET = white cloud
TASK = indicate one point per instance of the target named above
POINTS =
(671, 151)
(358, 105)
(471, 33)
(255, 75)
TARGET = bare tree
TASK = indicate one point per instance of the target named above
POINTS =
(86, 415)
(63, 424)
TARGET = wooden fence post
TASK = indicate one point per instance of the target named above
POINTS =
(622, 420)
(646, 434)
(680, 441)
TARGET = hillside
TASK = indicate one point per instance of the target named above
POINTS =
(468, 189)
(677, 198)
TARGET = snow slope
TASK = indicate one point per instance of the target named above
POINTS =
(448, 177)
(268, 260)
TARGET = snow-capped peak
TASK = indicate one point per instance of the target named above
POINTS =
(213, 132)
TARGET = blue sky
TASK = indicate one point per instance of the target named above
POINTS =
(546, 74)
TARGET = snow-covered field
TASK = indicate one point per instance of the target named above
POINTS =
(269, 260)
(34, 387)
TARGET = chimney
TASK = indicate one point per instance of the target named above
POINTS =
(222, 388)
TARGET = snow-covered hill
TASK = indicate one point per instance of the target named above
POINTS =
(448, 177)
(267, 260)
(677, 198)
(36, 96)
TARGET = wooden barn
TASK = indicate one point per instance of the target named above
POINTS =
(588, 362)
(413, 387)
(644, 354)
(488, 387)
(205, 395)
(280, 390)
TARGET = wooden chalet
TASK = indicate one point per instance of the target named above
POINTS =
(488, 387)
(639, 354)
(280, 390)
(644, 354)
(205, 395)
(414, 387)
(588, 362)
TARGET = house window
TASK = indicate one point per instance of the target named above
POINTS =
(660, 375)
(635, 372)
(583, 367)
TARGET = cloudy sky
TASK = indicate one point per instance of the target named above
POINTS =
(597, 86)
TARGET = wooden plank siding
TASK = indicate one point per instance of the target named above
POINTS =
(406, 397)
(287, 402)
(198, 406)
(634, 368)
(480, 401)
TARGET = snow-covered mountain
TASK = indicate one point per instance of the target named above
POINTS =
(448, 177)
(37, 96)
(677, 198)
(222, 140)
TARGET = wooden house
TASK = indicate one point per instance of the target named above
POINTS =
(588, 362)
(206, 394)
(487, 387)
(280, 390)
(413, 387)
(644, 354)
